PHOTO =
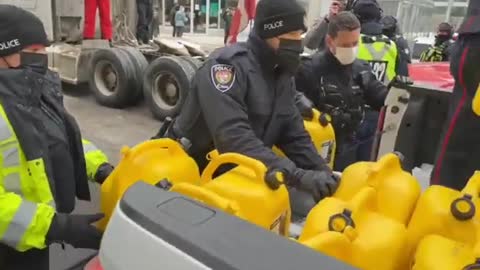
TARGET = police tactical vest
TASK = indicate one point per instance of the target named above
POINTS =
(381, 53)
(435, 53)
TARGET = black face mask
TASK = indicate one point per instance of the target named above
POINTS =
(289, 55)
(37, 62)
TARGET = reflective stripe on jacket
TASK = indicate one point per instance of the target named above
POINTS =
(27, 203)
(382, 55)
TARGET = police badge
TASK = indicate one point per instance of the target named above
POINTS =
(223, 77)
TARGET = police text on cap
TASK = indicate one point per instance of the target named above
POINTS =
(9, 44)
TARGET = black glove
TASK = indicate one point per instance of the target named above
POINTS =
(364, 79)
(320, 184)
(403, 79)
(103, 172)
(76, 230)
(305, 106)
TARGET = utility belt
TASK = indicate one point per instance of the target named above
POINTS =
(345, 121)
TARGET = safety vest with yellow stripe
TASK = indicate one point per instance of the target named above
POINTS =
(27, 204)
(381, 53)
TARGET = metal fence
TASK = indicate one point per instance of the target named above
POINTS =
(414, 16)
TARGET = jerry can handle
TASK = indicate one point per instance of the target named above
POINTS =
(233, 158)
(206, 196)
(473, 185)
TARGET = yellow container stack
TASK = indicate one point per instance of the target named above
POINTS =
(352, 232)
(448, 213)
(151, 162)
(396, 190)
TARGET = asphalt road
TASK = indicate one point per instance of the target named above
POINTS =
(109, 129)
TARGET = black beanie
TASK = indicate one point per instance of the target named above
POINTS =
(277, 17)
(19, 29)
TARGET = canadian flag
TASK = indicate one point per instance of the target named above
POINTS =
(242, 18)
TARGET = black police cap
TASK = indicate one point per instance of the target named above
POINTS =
(19, 29)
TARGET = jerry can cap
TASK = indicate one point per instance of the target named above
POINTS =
(339, 222)
(275, 178)
(324, 119)
(463, 209)
(474, 266)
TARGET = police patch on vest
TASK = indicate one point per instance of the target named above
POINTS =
(379, 69)
(223, 77)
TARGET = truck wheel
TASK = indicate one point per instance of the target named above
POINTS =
(140, 63)
(194, 62)
(112, 78)
(166, 84)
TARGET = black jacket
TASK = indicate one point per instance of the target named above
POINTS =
(241, 103)
(404, 55)
(34, 105)
(345, 89)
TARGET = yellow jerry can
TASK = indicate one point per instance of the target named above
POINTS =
(246, 185)
(353, 233)
(397, 191)
(440, 253)
(476, 102)
(323, 136)
(151, 162)
(207, 197)
(448, 213)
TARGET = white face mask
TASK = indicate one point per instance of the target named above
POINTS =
(346, 56)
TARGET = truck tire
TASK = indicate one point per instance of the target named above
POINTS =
(141, 64)
(166, 84)
(112, 78)
(194, 62)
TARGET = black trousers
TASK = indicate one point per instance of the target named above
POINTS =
(11, 259)
(144, 21)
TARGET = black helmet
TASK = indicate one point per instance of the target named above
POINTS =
(389, 23)
(367, 10)
(445, 27)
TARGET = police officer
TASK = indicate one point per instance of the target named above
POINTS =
(144, 20)
(392, 31)
(440, 51)
(341, 85)
(242, 101)
(382, 55)
(375, 48)
(459, 153)
(44, 165)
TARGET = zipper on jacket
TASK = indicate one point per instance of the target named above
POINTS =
(50, 114)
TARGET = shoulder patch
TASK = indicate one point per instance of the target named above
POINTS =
(223, 77)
